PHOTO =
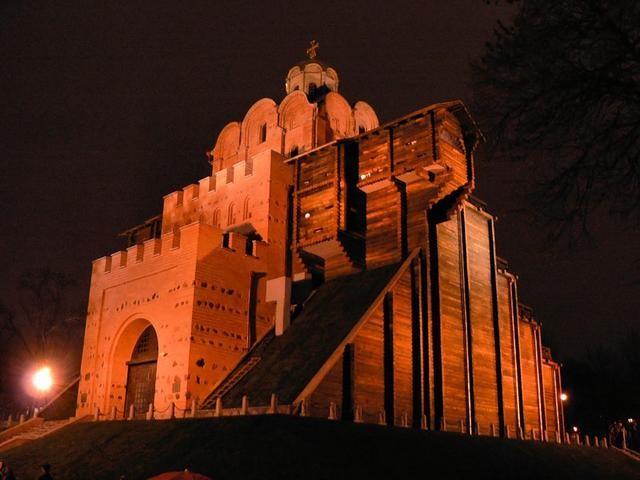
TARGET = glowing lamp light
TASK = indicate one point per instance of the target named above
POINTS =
(564, 397)
(307, 215)
(42, 379)
(575, 429)
(630, 420)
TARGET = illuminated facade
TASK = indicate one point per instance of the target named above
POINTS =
(337, 263)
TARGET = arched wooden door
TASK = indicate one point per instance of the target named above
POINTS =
(141, 379)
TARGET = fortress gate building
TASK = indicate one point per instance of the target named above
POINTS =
(338, 263)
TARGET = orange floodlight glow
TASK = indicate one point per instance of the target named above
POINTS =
(43, 380)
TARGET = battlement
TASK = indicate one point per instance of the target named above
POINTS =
(155, 249)
(211, 184)
(230, 197)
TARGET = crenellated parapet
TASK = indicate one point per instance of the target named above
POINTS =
(155, 250)
(232, 198)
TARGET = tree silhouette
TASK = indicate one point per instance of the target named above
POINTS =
(44, 326)
(560, 88)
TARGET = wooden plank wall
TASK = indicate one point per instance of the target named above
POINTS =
(369, 367)
(450, 148)
(402, 349)
(528, 362)
(316, 203)
(483, 348)
(375, 157)
(369, 364)
(507, 350)
(412, 144)
(551, 398)
(329, 390)
(452, 315)
(383, 234)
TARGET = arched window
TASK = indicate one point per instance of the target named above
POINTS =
(246, 213)
(263, 133)
(361, 129)
(312, 89)
(146, 347)
(294, 151)
(216, 218)
(231, 217)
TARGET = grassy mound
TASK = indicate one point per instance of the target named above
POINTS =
(283, 447)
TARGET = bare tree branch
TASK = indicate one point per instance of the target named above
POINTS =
(561, 87)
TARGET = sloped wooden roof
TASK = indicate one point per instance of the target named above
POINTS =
(289, 362)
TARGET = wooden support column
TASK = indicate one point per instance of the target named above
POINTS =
(542, 414)
(402, 224)
(560, 404)
(466, 319)
(389, 407)
(348, 380)
(424, 317)
(416, 350)
(434, 276)
(515, 318)
(496, 323)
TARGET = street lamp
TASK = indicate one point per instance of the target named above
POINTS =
(42, 380)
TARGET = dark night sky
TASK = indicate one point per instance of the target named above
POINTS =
(105, 108)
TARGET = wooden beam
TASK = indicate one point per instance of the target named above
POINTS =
(496, 323)
(434, 276)
(389, 394)
(425, 332)
(348, 378)
(416, 350)
(516, 338)
(466, 321)
(542, 411)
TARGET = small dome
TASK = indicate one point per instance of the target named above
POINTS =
(311, 74)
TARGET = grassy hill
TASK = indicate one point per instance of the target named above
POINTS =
(286, 447)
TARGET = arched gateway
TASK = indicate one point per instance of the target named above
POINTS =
(141, 375)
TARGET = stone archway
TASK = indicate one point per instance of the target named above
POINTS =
(141, 374)
(123, 357)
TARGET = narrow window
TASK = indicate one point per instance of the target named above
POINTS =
(249, 248)
(225, 240)
(312, 89)
(216, 218)
(263, 133)
(246, 213)
(294, 151)
(231, 218)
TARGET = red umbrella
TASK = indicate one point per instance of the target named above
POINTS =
(186, 475)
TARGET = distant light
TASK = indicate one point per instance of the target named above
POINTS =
(42, 379)
(630, 420)
(307, 215)
(564, 397)
(575, 429)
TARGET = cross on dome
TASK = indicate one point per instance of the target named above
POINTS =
(312, 51)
